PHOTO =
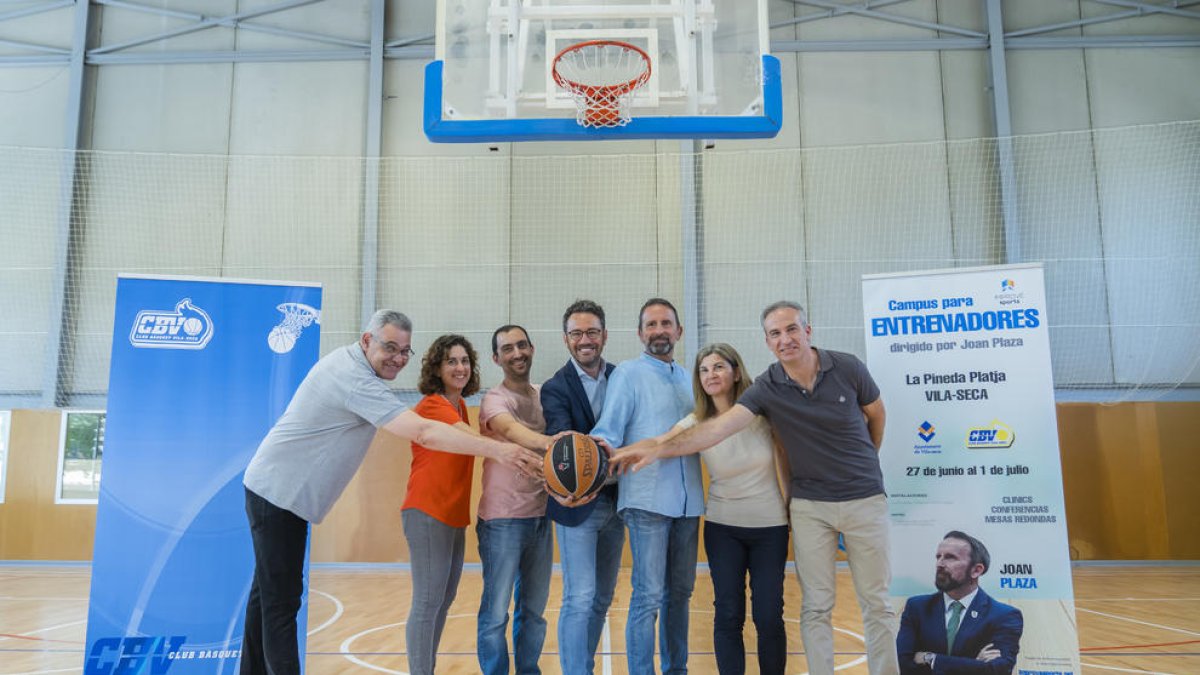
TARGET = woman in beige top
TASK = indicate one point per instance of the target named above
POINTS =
(745, 523)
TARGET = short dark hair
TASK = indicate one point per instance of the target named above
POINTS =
(583, 307)
(657, 301)
(784, 304)
(430, 380)
(504, 329)
(979, 552)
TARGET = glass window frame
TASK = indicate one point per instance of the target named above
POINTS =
(5, 433)
(62, 456)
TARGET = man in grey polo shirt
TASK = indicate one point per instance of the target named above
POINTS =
(826, 411)
(308, 458)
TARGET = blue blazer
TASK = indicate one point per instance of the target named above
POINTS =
(566, 408)
(923, 629)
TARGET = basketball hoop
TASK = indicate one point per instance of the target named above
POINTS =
(601, 76)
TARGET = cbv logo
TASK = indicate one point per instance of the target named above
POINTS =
(187, 327)
(133, 655)
(994, 435)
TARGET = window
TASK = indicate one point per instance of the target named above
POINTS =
(81, 449)
(5, 425)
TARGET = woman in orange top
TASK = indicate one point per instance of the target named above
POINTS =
(436, 508)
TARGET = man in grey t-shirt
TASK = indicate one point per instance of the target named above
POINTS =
(826, 411)
(308, 458)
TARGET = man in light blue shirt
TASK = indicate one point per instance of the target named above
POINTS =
(662, 503)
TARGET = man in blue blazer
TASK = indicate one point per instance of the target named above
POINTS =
(960, 629)
(590, 533)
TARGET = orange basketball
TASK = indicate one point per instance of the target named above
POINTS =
(575, 466)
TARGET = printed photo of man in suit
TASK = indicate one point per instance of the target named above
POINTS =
(959, 629)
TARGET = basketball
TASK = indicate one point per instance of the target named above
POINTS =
(574, 466)
(280, 340)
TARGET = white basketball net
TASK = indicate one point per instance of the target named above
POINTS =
(296, 317)
(601, 78)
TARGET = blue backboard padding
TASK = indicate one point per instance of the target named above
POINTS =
(441, 130)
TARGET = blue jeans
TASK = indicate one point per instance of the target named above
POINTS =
(517, 553)
(732, 553)
(591, 558)
(436, 552)
(664, 573)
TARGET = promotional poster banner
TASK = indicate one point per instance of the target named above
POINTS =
(963, 361)
(201, 369)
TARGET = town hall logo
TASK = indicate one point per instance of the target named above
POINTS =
(185, 327)
(926, 431)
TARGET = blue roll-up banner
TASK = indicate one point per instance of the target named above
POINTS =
(962, 357)
(201, 369)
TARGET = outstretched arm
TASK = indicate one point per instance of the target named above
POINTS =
(688, 442)
(447, 438)
(507, 426)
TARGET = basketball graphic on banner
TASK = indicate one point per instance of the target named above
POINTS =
(280, 340)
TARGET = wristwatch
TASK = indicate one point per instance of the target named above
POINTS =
(928, 659)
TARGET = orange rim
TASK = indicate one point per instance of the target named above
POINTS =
(595, 92)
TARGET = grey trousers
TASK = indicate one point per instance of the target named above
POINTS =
(436, 554)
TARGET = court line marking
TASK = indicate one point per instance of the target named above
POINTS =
(337, 614)
(344, 648)
(1123, 670)
(606, 645)
(43, 672)
(1175, 599)
(28, 635)
(1145, 646)
(1137, 621)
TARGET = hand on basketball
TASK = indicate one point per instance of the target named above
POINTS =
(525, 461)
(554, 439)
(634, 457)
(988, 653)
(571, 501)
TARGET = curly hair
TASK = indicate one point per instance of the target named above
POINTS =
(430, 380)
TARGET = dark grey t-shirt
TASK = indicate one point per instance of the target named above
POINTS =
(823, 430)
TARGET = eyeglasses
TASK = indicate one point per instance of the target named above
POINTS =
(393, 349)
(591, 333)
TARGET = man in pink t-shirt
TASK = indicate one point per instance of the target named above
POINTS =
(515, 544)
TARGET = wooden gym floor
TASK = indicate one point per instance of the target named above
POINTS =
(1134, 619)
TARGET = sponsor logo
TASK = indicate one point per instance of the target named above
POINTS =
(993, 435)
(152, 655)
(185, 327)
(926, 431)
(1008, 294)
